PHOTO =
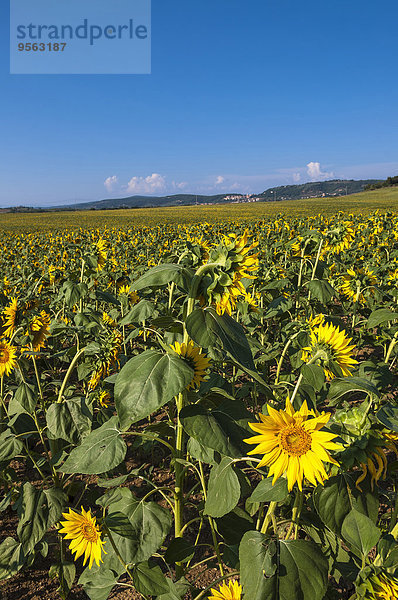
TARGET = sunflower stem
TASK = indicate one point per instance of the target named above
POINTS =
(116, 551)
(298, 505)
(68, 374)
(268, 517)
(315, 266)
(211, 522)
(300, 379)
(391, 347)
(285, 349)
(37, 375)
(3, 408)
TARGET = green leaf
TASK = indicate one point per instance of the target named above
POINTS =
(24, 400)
(163, 275)
(178, 551)
(10, 446)
(266, 492)
(340, 387)
(332, 502)
(98, 583)
(65, 572)
(284, 570)
(147, 382)
(219, 428)
(12, 558)
(69, 420)
(151, 524)
(360, 533)
(139, 313)
(223, 490)
(200, 452)
(234, 525)
(314, 375)
(38, 510)
(205, 326)
(388, 416)
(176, 590)
(379, 316)
(102, 450)
(278, 306)
(321, 290)
(149, 580)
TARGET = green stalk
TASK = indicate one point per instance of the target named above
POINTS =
(120, 558)
(298, 505)
(285, 349)
(391, 347)
(211, 522)
(37, 375)
(3, 409)
(68, 374)
(268, 517)
(315, 266)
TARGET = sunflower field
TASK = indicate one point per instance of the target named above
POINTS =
(202, 411)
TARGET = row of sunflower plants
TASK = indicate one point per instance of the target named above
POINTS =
(215, 416)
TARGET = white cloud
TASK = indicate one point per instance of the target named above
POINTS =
(220, 179)
(151, 184)
(179, 185)
(296, 177)
(110, 183)
(315, 172)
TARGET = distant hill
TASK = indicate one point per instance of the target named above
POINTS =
(143, 202)
(317, 189)
(389, 182)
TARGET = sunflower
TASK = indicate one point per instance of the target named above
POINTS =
(85, 536)
(195, 359)
(107, 320)
(381, 587)
(354, 283)
(39, 328)
(232, 591)
(10, 314)
(101, 254)
(237, 265)
(104, 399)
(7, 358)
(374, 458)
(131, 294)
(332, 347)
(292, 443)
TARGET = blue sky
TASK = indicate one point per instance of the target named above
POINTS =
(242, 96)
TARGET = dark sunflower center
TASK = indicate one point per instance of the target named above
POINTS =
(4, 356)
(89, 532)
(295, 440)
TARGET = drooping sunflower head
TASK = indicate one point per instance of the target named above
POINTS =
(107, 320)
(291, 443)
(380, 586)
(101, 254)
(7, 358)
(358, 284)
(40, 329)
(10, 315)
(85, 536)
(332, 348)
(372, 457)
(196, 359)
(230, 591)
(125, 290)
(234, 264)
